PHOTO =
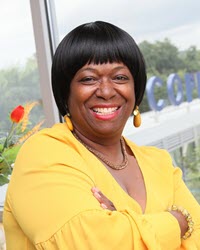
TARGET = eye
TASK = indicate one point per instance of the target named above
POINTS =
(121, 78)
(88, 80)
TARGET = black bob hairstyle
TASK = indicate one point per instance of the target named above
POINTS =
(96, 42)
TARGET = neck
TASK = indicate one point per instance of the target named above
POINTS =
(105, 145)
(116, 152)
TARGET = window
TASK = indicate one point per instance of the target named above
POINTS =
(19, 78)
(169, 36)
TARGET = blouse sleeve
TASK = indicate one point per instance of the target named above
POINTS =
(50, 197)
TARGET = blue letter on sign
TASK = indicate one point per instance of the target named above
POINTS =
(189, 82)
(152, 82)
(171, 81)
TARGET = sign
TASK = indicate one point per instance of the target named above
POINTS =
(174, 89)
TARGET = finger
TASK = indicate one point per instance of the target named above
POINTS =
(99, 195)
(95, 189)
(103, 206)
(103, 200)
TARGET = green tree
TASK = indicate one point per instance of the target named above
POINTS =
(191, 59)
(149, 53)
(162, 57)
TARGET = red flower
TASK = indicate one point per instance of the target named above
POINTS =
(17, 114)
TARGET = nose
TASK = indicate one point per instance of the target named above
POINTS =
(106, 89)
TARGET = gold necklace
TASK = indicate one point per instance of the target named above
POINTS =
(102, 158)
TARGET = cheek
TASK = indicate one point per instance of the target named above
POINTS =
(76, 100)
(72, 103)
(130, 93)
(131, 98)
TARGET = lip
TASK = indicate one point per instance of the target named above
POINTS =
(105, 112)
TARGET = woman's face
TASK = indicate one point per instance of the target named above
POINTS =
(101, 99)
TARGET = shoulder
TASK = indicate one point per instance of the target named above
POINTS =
(148, 150)
(49, 146)
(56, 136)
(153, 156)
(58, 132)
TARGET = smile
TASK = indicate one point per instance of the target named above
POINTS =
(105, 111)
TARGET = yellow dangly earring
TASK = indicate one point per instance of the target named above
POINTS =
(136, 117)
(68, 121)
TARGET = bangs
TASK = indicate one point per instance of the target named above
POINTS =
(104, 54)
(100, 48)
(98, 45)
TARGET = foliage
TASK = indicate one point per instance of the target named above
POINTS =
(162, 57)
(18, 133)
(191, 59)
(7, 158)
(188, 159)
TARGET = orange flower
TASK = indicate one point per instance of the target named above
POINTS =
(17, 114)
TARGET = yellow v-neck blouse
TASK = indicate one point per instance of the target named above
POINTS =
(49, 203)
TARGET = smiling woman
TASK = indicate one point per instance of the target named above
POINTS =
(113, 86)
(105, 191)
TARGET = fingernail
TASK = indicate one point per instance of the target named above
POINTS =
(97, 195)
(95, 189)
(103, 206)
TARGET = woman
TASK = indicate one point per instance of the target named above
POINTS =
(54, 199)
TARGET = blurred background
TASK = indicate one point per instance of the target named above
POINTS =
(168, 34)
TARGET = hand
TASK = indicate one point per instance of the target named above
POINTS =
(105, 203)
(181, 220)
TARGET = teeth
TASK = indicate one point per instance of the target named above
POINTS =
(105, 111)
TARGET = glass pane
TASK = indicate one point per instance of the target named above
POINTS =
(189, 160)
(19, 78)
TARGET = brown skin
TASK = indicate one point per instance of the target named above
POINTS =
(102, 85)
(108, 86)
(105, 203)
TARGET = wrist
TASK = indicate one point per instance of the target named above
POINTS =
(185, 220)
